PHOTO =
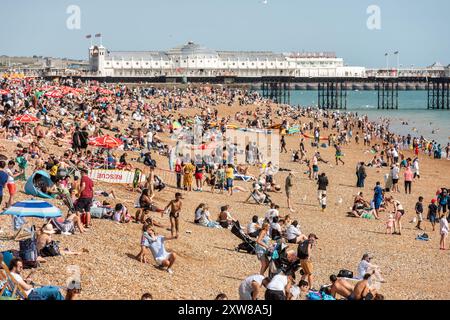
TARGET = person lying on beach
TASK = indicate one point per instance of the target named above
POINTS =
(340, 287)
(105, 194)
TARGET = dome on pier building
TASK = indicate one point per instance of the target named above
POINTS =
(192, 50)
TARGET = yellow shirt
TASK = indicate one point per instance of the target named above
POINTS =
(54, 170)
(229, 172)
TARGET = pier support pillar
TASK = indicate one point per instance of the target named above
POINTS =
(332, 94)
(387, 94)
(278, 92)
(438, 93)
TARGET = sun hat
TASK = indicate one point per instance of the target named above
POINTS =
(48, 229)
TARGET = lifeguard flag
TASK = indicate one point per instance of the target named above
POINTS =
(98, 35)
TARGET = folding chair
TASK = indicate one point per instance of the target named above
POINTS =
(9, 288)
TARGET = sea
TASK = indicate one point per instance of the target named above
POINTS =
(431, 124)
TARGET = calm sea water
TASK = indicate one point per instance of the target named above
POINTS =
(432, 124)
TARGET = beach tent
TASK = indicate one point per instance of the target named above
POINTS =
(32, 186)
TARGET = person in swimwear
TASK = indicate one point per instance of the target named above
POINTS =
(175, 209)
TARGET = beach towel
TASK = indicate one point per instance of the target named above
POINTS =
(423, 237)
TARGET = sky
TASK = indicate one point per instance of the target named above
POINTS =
(419, 30)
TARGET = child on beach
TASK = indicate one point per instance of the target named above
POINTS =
(419, 212)
(390, 224)
(323, 202)
(432, 212)
(443, 228)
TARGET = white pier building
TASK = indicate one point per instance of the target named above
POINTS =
(194, 61)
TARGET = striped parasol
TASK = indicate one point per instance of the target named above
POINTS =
(33, 208)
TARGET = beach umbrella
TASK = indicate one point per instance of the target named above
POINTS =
(106, 142)
(54, 94)
(103, 99)
(105, 91)
(176, 125)
(26, 118)
(33, 208)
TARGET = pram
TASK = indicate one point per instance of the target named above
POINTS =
(248, 244)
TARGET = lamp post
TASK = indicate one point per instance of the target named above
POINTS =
(397, 53)
(387, 60)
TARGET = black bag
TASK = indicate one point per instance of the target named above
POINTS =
(28, 253)
(51, 250)
(28, 250)
(345, 274)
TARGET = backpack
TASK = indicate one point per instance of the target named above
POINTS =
(28, 253)
(302, 251)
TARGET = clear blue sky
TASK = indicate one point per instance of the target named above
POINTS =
(418, 29)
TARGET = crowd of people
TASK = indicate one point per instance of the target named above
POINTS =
(71, 114)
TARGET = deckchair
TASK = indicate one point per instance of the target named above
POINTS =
(9, 286)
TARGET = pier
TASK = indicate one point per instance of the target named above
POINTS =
(439, 94)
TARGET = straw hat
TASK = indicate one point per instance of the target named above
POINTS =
(48, 229)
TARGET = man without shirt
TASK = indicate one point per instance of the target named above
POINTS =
(340, 286)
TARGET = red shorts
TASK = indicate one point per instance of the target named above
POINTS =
(12, 189)
(199, 176)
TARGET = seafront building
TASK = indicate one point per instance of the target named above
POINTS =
(192, 60)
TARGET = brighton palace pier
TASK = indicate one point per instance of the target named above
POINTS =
(275, 74)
